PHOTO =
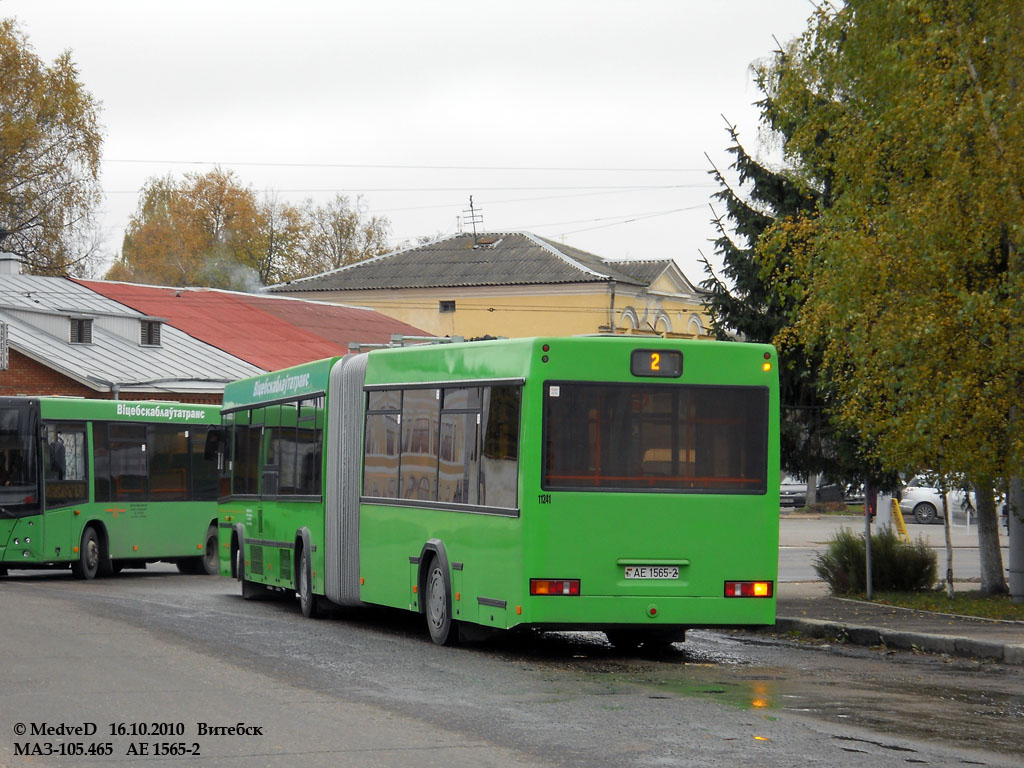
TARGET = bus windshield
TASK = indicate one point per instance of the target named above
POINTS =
(19, 468)
(633, 437)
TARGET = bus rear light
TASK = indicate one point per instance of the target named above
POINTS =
(554, 586)
(749, 588)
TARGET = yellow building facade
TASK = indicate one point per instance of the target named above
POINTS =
(514, 285)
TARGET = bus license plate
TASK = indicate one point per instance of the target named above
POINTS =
(652, 572)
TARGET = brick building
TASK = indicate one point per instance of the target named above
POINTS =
(97, 339)
(60, 338)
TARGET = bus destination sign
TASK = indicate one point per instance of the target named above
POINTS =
(656, 362)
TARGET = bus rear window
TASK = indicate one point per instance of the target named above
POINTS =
(697, 439)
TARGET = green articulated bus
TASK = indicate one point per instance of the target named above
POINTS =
(102, 485)
(614, 483)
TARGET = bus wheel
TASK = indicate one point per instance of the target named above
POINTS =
(88, 555)
(106, 567)
(3, 572)
(211, 559)
(438, 602)
(307, 600)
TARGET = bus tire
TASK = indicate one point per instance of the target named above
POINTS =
(3, 572)
(437, 607)
(210, 560)
(89, 554)
(106, 567)
(308, 601)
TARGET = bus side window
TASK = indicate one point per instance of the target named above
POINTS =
(214, 440)
(168, 451)
(66, 465)
(129, 462)
(418, 466)
(225, 462)
(381, 444)
(204, 479)
(499, 464)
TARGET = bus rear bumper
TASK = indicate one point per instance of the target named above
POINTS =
(687, 612)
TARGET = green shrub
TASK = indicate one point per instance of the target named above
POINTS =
(895, 565)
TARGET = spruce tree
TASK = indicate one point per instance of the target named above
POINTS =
(751, 302)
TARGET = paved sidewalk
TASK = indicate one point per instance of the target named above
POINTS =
(809, 607)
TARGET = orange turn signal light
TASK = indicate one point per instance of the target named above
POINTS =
(749, 588)
(554, 586)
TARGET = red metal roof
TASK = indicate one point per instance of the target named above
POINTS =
(271, 332)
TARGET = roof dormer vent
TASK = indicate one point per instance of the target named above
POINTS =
(81, 330)
(150, 336)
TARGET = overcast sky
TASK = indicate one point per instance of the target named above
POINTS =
(584, 121)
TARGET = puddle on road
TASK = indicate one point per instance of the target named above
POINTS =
(741, 694)
(914, 699)
(974, 718)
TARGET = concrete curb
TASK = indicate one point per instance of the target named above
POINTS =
(951, 645)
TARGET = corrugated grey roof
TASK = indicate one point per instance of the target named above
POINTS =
(511, 258)
(646, 271)
(180, 364)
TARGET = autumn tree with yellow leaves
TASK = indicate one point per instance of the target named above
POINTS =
(211, 230)
(910, 282)
(339, 234)
(197, 231)
(50, 143)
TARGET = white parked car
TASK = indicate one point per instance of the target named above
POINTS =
(922, 500)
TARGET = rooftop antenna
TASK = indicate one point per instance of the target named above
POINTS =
(473, 216)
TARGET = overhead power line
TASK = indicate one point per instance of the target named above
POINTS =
(359, 190)
(626, 218)
(410, 167)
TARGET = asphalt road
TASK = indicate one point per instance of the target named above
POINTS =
(148, 654)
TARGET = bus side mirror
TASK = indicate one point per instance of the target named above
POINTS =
(213, 443)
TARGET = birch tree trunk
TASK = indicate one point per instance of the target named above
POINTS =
(992, 580)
